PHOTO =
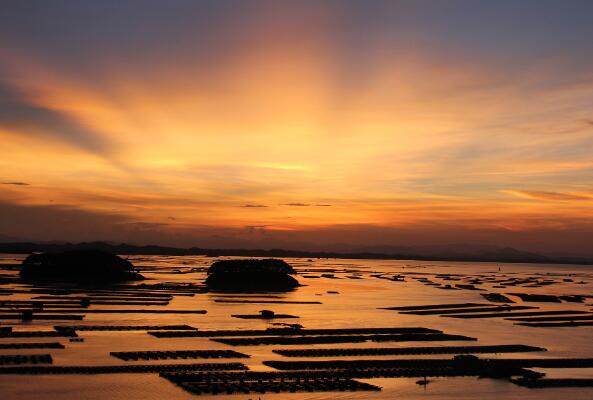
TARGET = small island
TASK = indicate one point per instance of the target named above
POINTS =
(251, 275)
(80, 266)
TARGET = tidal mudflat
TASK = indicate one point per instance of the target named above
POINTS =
(355, 329)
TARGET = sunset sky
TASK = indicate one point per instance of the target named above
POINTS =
(298, 124)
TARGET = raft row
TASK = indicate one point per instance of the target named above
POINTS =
(54, 307)
(265, 301)
(433, 363)
(176, 354)
(278, 386)
(47, 317)
(516, 314)
(293, 332)
(115, 369)
(469, 310)
(85, 302)
(131, 327)
(435, 306)
(32, 334)
(47, 293)
(556, 324)
(107, 297)
(260, 316)
(38, 303)
(363, 373)
(389, 351)
(563, 318)
(53, 345)
(25, 359)
(121, 311)
(294, 340)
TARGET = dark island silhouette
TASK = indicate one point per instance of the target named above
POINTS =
(251, 275)
(78, 266)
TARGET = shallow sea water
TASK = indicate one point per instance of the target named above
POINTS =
(357, 304)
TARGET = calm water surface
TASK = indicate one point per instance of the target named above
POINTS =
(361, 294)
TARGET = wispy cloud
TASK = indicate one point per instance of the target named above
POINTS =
(305, 205)
(254, 206)
(256, 229)
(22, 116)
(549, 196)
(16, 183)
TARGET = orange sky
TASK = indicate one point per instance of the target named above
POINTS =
(324, 122)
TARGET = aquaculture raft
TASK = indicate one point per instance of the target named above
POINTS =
(115, 369)
(176, 354)
(293, 332)
(25, 359)
(53, 345)
(392, 351)
(131, 327)
(254, 382)
(290, 340)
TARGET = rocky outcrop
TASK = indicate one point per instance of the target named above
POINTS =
(81, 266)
(251, 275)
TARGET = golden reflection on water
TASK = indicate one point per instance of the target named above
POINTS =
(356, 304)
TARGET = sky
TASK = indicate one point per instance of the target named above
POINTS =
(298, 124)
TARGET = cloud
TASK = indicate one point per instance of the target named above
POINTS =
(16, 183)
(551, 196)
(69, 223)
(254, 206)
(48, 222)
(250, 229)
(19, 115)
(145, 225)
(305, 205)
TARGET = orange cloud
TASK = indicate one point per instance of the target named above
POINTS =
(551, 196)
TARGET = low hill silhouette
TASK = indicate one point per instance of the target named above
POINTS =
(494, 254)
(78, 266)
(251, 275)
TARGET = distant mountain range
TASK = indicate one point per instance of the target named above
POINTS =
(6, 239)
(453, 252)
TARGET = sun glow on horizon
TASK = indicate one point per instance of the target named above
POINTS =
(286, 121)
